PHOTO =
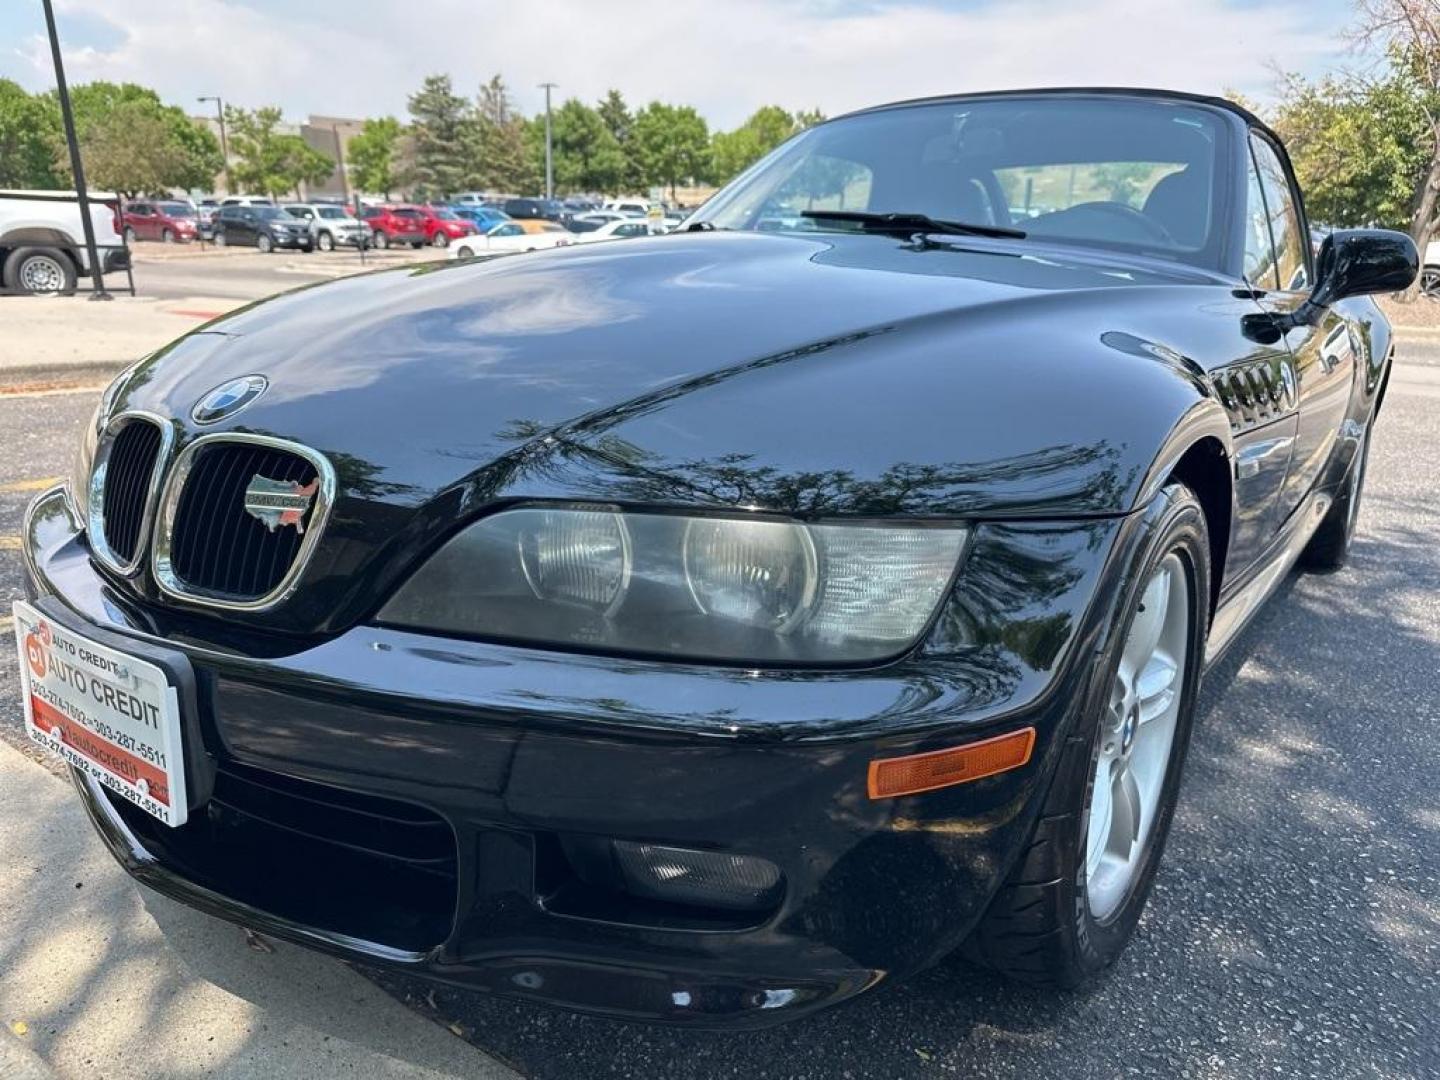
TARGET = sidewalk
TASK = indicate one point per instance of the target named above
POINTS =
(106, 979)
(72, 339)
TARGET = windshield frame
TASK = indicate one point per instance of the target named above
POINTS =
(1218, 253)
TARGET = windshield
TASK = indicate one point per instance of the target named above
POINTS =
(272, 213)
(1111, 172)
(176, 210)
(330, 213)
(445, 215)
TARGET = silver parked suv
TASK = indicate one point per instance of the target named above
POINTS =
(331, 225)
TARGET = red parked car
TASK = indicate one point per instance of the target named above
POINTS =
(395, 225)
(442, 225)
(172, 222)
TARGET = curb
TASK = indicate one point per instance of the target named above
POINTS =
(59, 376)
(1401, 330)
(19, 1062)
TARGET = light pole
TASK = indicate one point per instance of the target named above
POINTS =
(97, 273)
(224, 146)
(549, 146)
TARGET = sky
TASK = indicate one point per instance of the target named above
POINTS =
(726, 57)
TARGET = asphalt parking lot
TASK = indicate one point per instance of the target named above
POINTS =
(1295, 927)
(175, 271)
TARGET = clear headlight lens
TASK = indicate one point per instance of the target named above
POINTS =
(576, 557)
(78, 484)
(726, 588)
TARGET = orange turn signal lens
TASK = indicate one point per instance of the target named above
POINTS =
(890, 777)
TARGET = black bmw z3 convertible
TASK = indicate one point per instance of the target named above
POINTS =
(711, 627)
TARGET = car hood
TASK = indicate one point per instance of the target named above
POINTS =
(809, 375)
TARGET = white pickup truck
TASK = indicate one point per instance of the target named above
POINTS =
(42, 240)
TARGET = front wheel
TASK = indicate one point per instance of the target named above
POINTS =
(39, 271)
(440, 240)
(464, 253)
(219, 238)
(265, 244)
(129, 236)
(382, 240)
(326, 242)
(167, 236)
(1430, 282)
(1073, 899)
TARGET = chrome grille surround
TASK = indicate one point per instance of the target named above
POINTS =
(161, 556)
(150, 486)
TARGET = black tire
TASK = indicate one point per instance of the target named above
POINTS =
(464, 252)
(39, 271)
(307, 248)
(1039, 928)
(1430, 282)
(129, 236)
(167, 236)
(382, 240)
(440, 240)
(219, 238)
(417, 244)
(325, 241)
(264, 244)
(1329, 549)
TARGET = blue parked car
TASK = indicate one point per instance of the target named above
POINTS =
(484, 217)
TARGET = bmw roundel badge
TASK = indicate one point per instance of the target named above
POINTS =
(228, 398)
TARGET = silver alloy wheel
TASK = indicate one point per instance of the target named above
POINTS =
(42, 274)
(1137, 735)
(264, 243)
(1430, 282)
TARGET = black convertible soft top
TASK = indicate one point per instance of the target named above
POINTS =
(1083, 91)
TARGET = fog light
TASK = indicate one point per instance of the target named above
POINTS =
(705, 878)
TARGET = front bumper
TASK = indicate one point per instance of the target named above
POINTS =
(517, 754)
(292, 240)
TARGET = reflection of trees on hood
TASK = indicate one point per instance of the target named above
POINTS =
(1088, 475)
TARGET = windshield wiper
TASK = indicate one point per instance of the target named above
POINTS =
(905, 224)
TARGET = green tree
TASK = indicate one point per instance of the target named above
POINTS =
(132, 141)
(444, 138)
(587, 156)
(1358, 146)
(374, 155)
(619, 121)
(270, 161)
(129, 149)
(734, 151)
(505, 150)
(1409, 32)
(26, 159)
(673, 144)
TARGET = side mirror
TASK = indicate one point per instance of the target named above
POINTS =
(1352, 262)
(1358, 262)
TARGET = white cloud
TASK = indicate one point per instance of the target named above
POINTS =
(363, 57)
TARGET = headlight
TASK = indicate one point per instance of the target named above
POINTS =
(77, 487)
(754, 590)
(78, 484)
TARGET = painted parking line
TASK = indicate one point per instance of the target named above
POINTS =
(18, 487)
(6, 622)
(9, 543)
